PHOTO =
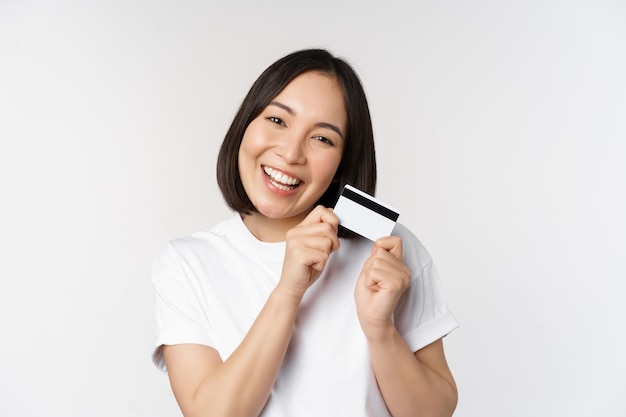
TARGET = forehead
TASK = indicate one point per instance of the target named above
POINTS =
(315, 93)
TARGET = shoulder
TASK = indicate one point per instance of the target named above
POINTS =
(411, 243)
(196, 242)
(191, 251)
(415, 254)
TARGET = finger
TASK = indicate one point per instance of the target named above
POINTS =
(387, 265)
(369, 281)
(316, 259)
(383, 264)
(320, 243)
(392, 244)
(391, 280)
(304, 231)
(313, 229)
(380, 255)
(321, 214)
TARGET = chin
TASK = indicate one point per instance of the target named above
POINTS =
(272, 213)
(277, 216)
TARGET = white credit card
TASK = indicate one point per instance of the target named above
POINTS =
(364, 214)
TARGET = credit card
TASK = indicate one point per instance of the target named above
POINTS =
(365, 215)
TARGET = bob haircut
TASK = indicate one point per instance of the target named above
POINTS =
(358, 163)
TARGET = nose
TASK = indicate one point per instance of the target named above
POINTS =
(291, 150)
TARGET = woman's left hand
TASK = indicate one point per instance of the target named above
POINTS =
(383, 279)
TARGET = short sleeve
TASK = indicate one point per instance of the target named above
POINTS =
(422, 315)
(178, 312)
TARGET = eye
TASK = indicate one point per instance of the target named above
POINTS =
(324, 139)
(276, 120)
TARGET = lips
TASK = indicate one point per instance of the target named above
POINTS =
(281, 180)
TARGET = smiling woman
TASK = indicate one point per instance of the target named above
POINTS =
(290, 154)
(357, 133)
(273, 312)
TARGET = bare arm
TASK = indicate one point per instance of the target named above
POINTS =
(412, 384)
(204, 385)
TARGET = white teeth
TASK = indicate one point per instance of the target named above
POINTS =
(280, 179)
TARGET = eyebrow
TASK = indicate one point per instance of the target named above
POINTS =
(319, 124)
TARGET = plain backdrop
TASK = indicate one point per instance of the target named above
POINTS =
(501, 136)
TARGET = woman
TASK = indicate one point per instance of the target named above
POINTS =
(279, 312)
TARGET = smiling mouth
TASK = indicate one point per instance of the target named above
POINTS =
(280, 180)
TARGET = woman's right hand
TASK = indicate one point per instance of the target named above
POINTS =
(206, 385)
(309, 245)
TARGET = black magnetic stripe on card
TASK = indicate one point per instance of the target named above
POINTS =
(372, 205)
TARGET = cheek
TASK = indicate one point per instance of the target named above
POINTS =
(254, 142)
(246, 157)
(250, 143)
(328, 166)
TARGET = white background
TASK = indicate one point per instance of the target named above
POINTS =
(501, 134)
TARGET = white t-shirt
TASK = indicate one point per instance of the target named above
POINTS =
(211, 286)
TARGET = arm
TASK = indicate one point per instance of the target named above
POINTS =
(412, 384)
(204, 385)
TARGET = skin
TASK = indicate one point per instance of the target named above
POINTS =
(301, 134)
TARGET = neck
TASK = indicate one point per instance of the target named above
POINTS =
(270, 230)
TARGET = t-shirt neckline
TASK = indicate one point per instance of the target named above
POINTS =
(273, 251)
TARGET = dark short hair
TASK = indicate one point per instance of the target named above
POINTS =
(358, 163)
